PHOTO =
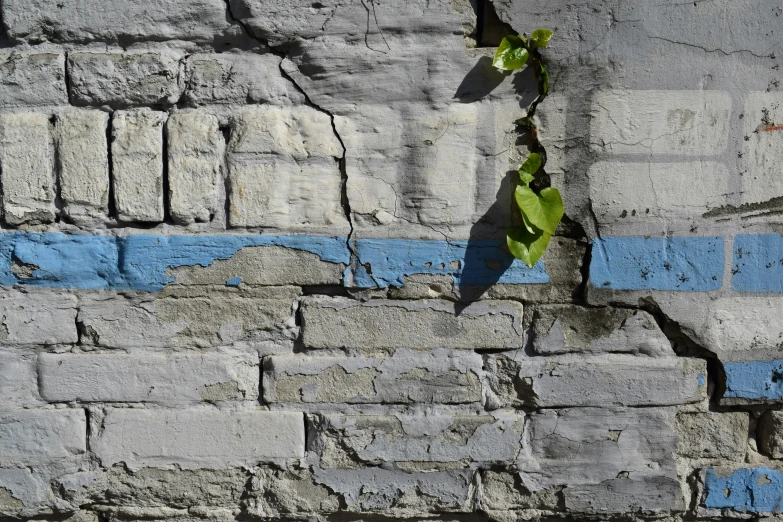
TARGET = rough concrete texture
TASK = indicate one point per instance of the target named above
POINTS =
(253, 262)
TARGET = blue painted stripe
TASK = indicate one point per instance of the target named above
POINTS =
(468, 263)
(757, 264)
(136, 262)
(692, 264)
(757, 490)
(754, 380)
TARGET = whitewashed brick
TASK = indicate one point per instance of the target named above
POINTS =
(634, 192)
(124, 79)
(660, 122)
(18, 379)
(34, 435)
(38, 318)
(178, 378)
(27, 166)
(83, 162)
(762, 153)
(408, 376)
(19, 70)
(137, 164)
(389, 324)
(198, 438)
(283, 170)
(195, 150)
(215, 319)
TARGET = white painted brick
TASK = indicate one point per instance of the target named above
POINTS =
(124, 79)
(137, 164)
(195, 150)
(216, 319)
(660, 122)
(178, 378)
(628, 192)
(18, 379)
(83, 162)
(388, 324)
(32, 435)
(763, 151)
(32, 79)
(27, 166)
(38, 318)
(198, 438)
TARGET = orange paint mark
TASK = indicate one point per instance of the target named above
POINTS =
(770, 128)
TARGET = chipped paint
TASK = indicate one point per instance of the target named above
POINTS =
(755, 380)
(755, 490)
(757, 264)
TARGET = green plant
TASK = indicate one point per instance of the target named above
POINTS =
(540, 210)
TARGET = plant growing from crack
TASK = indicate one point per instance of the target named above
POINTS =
(540, 209)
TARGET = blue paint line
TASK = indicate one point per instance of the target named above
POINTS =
(135, 262)
(693, 264)
(756, 490)
(234, 281)
(468, 263)
(701, 381)
(754, 380)
(757, 263)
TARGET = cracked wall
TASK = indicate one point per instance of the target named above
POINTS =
(252, 262)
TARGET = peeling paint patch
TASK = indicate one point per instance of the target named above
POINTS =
(757, 264)
(755, 490)
(386, 262)
(761, 380)
(693, 264)
(136, 262)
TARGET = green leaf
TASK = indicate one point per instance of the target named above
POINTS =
(543, 210)
(511, 54)
(531, 164)
(541, 37)
(527, 246)
(525, 121)
(543, 76)
(528, 225)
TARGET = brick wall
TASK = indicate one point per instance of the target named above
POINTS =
(252, 263)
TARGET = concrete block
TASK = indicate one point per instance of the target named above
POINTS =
(437, 376)
(127, 79)
(38, 318)
(388, 324)
(21, 69)
(24, 493)
(660, 122)
(28, 436)
(179, 319)
(770, 433)
(238, 79)
(18, 379)
(762, 151)
(198, 437)
(195, 150)
(137, 164)
(289, 492)
(88, 20)
(173, 379)
(83, 163)
(425, 441)
(713, 435)
(27, 165)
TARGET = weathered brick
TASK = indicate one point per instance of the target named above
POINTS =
(137, 164)
(21, 69)
(178, 378)
(437, 376)
(198, 438)
(351, 441)
(660, 122)
(27, 165)
(762, 152)
(177, 319)
(83, 163)
(28, 436)
(38, 318)
(237, 78)
(389, 324)
(713, 435)
(290, 492)
(124, 79)
(195, 150)
(283, 170)
(770, 433)
(23, 492)
(87, 20)
(18, 380)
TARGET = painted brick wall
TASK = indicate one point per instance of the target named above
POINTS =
(252, 263)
